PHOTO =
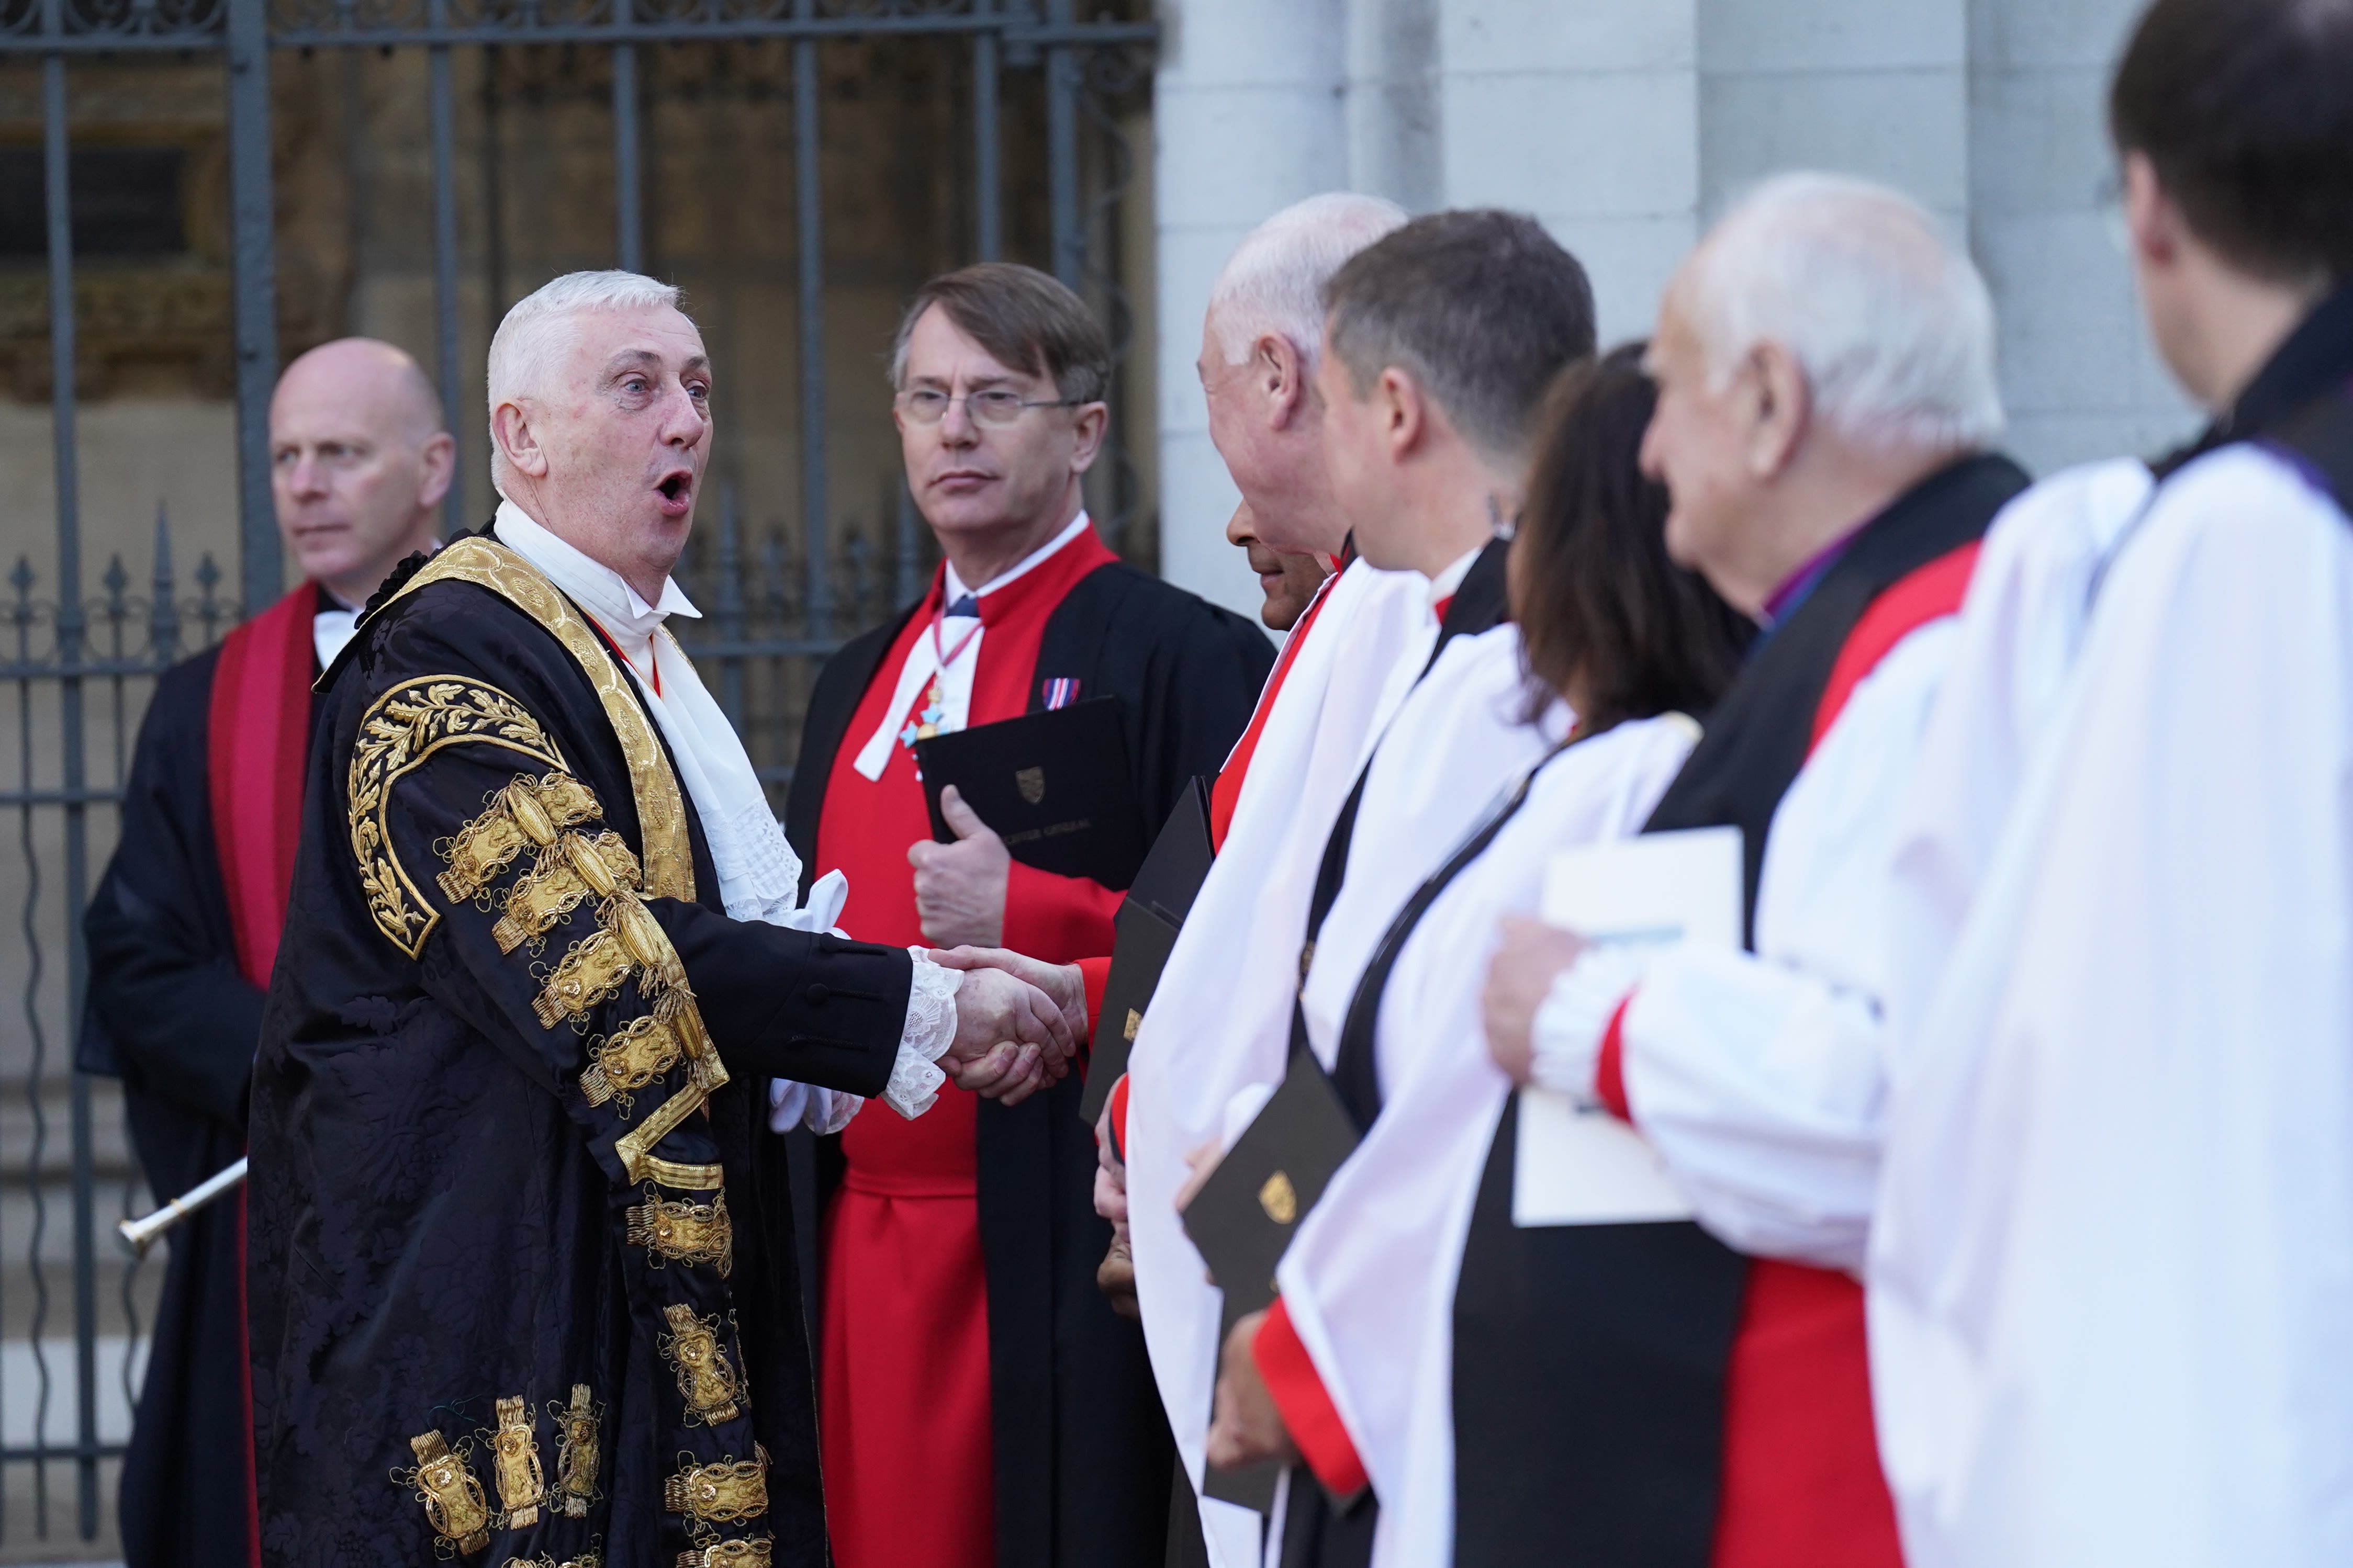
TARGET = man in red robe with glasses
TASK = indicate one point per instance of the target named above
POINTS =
(184, 927)
(971, 1233)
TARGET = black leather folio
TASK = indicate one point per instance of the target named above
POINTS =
(1055, 785)
(1243, 1216)
(1146, 926)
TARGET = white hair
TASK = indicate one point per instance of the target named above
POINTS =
(1890, 322)
(537, 332)
(1275, 280)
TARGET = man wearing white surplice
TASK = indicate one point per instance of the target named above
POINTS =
(2110, 1294)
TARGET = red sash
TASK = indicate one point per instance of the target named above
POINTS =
(257, 731)
(255, 734)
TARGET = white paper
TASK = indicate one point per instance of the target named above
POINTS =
(1579, 1166)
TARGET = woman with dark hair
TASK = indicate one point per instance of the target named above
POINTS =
(1607, 624)
(1615, 647)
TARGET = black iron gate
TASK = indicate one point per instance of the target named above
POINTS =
(78, 665)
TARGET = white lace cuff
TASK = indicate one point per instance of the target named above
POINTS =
(931, 1029)
(1575, 1012)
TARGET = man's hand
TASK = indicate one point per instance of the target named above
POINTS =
(1200, 1164)
(1248, 1426)
(1010, 1038)
(1115, 1276)
(1062, 982)
(960, 886)
(1519, 978)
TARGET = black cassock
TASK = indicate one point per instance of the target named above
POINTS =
(521, 1274)
(170, 1013)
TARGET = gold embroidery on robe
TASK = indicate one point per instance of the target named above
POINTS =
(576, 1453)
(704, 1378)
(445, 1484)
(527, 813)
(514, 1462)
(635, 1147)
(630, 1057)
(589, 1559)
(399, 731)
(726, 1492)
(577, 867)
(662, 812)
(627, 941)
(729, 1554)
(671, 1173)
(684, 1232)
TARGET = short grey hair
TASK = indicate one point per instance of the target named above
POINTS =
(537, 330)
(1275, 280)
(1889, 321)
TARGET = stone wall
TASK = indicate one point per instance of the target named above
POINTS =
(1627, 125)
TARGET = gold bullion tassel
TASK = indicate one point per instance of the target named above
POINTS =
(576, 1454)
(630, 1057)
(454, 1504)
(724, 1493)
(577, 868)
(527, 812)
(704, 1378)
(590, 972)
(690, 1232)
(729, 1554)
(521, 1484)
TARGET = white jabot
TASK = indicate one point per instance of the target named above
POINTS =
(759, 874)
(964, 638)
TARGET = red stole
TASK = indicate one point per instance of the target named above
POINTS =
(1227, 793)
(904, 1381)
(257, 732)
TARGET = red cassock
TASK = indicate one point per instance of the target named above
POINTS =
(904, 1397)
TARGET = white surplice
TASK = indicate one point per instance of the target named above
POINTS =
(759, 874)
(1221, 1019)
(1762, 1078)
(1458, 736)
(1369, 1282)
(2111, 1280)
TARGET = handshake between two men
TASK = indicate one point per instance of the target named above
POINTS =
(1019, 1022)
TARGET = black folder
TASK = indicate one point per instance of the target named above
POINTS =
(1146, 926)
(1245, 1214)
(1055, 785)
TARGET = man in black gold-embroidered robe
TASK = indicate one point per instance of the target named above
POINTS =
(522, 1273)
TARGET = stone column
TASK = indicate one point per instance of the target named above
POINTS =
(1586, 116)
(2078, 374)
(1248, 117)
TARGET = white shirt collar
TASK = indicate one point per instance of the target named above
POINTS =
(955, 588)
(1444, 585)
(601, 591)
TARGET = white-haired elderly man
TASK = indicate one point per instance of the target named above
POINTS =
(1262, 338)
(521, 1261)
(1827, 401)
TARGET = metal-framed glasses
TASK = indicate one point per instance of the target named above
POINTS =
(994, 405)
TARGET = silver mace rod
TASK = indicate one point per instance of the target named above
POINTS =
(140, 1233)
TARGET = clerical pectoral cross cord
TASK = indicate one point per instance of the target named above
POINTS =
(934, 712)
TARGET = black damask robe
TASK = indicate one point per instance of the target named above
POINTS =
(521, 1274)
